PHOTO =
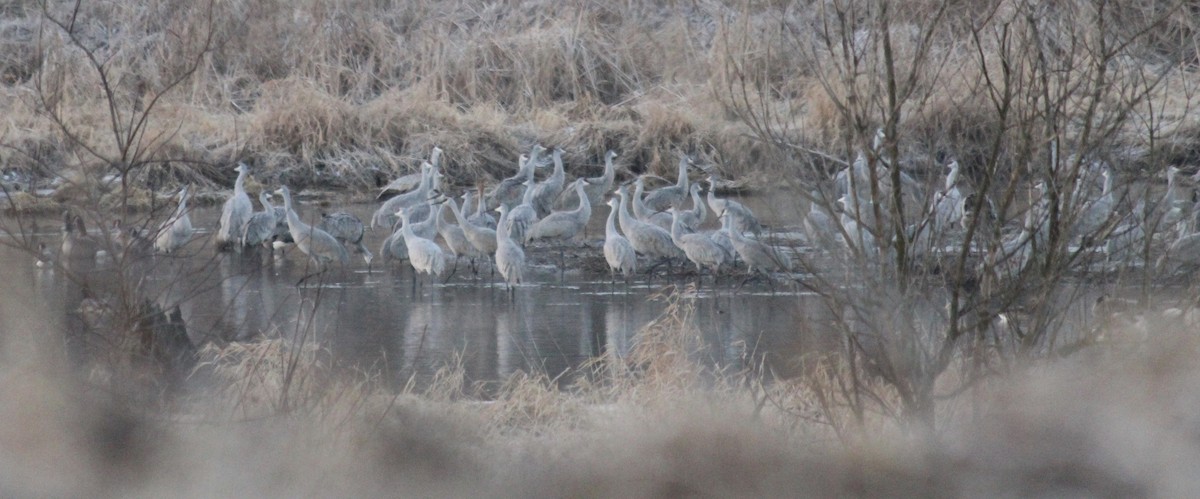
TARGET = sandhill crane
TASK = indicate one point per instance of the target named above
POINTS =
(598, 187)
(758, 255)
(522, 217)
(672, 196)
(692, 219)
(476, 212)
(743, 219)
(482, 238)
(510, 191)
(406, 183)
(698, 248)
(563, 226)
(348, 230)
(393, 247)
(510, 258)
(662, 219)
(818, 224)
(857, 238)
(320, 247)
(235, 213)
(456, 239)
(260, 228)
(547, 191)
(424, 255)
(649, 240)
(385, 216)
(595, 187)
(1097, 212)
(79, 249)
(177, 230)
(617, 251)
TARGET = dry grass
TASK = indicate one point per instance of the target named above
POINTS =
(350, 94)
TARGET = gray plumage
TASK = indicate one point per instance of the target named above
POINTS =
(177, 230)
(759, 256)
(426, 227)
(482, 238)
(408, 182)
(454, 237)
(646, 239)
(510, 258)
(476, 211)
(320, 247)
(547, 191)
(522, 217)
(510, 191)
(598, 187)
(415, 200)
(563, 225)
(661, 219)
(672, 196)
(618, 252)
(348, 230)
(424, 255)
(235, 213)
(260, 228)
(743, 219)
(393, 247)
(692, 219)
(698, 248)
(79, 249)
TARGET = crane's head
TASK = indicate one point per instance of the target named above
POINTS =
(610, 155)
(612, 202)
(241, 168)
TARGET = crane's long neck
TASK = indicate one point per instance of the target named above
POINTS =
(1108, 183)
(610, 227)
(623, 210)
(457, 213)
(239, 185)
(441, 220)
(502, 225)
(698, 205)
(676, 228)
(682, 182)
(558, 165)
(295, 224)
(405, 226)
(527, 198)
(182, 208)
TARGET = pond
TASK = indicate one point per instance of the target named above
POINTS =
(380, 318)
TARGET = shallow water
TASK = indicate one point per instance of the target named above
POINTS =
(380, 318)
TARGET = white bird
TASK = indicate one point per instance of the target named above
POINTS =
(743, 219)
(618, 252)
(563, 226)
(424, 255)
(1097, 212)
(177, 230)
(320, 247)
(235, 213)
(818, 224)
(260, 228)
(510, 258)
(857, 238)
(547, 191)
(649, 240)
(698, 248)
(455, 239)
(348, 230)
(523, 216)
(758, 256)
(671, 196)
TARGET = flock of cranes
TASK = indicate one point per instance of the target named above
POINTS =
(428, 228)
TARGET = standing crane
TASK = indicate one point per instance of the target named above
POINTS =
(563, 226)
(348, 230)
(698, 248)
(235, 213)
(649, 240)
(510, 258)
(672, 196)
(177, 230)
(260, 229)
(618, 252)
(320, 247)
(424, 255)
(547, 191)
